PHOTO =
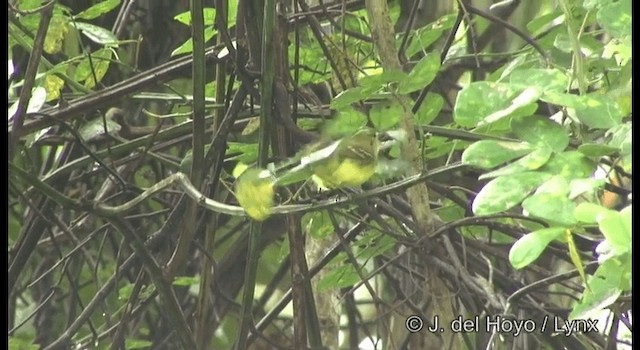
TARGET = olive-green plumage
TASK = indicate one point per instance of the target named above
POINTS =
(352, 163)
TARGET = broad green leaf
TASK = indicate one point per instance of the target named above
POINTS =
(100, 61)
(346, 122)
(208, 13)
(543, 22)
(541, 132)
(386, 114)
(596, 150)
(599, 112)
(621, 138)
(374, 83)
(58, 29)
(589, 212)
(529, 247)
(373, 244)
(53, 85)
(625, 214)
(429, 109)
(557, 185)
(531, 161)
(185, 281)
(98, 9)
(551, 207)
(318, 224)
(588, 185)
(570, 164)
(506, 192)
(615, 18)
(349, 96)
(248, 151)
(522, 105)
(37, 100)
(187, 46)
(604, 290)
(616, 229)
(421, 75)
(562, 99)
(342, 276)
(481, 99)
(96, 127)
(97, 34)
(132, 344)
(488, 154)
(422, 39)
(17, 343)
(542, 79)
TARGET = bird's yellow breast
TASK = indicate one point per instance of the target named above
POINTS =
(347, 173)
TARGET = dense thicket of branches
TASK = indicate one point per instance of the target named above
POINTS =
(168, 274)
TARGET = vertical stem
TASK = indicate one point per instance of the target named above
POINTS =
(266, 103)
(177, 261)
(30, 77)
(383, 36)
(203, 333)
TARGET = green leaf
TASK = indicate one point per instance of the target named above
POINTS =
(588, 185)
(98, 10)
(57, 31)
(318, 224)
(131, 344)
(531, 161)
(488, 154)
(248, 151)
(373, 244)
(557, 185)
(342, 276)
(386, 115)
(522, 105)
(589, 212)
(615, 18)
(596, 150)
(37, 100)
(208, 13)
(100, 61)
(551, 207)
(599, 112)
(346, 122)
(187, 46)
(480, 99)
(541, 132)
(542, 22)
(621, 139)
(185, 281)
(97, 34)
(616, 228)
(604, 290)
(506, 192)
(374, 83)
(348, 97)
(17, 343)
(542, 79)
(421, 75)
(96, 127)
(429, 109)
(529, 247)
(422, 39)
(570, 164)
(562, 99)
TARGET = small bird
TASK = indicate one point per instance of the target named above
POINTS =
(255, 192)
(350, 161)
